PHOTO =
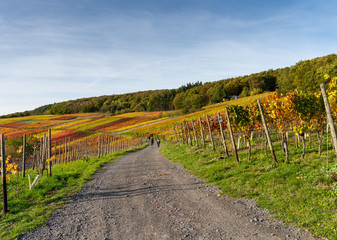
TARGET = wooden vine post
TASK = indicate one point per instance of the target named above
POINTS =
(3, 175)
(107, 145)
(113, 142)
(188, 132)
(202, 133)
(99, 147)
(180, 133)
(74, 149)
(68, 149)
(43, 156)
(266, 131)
(113, 145)
(232, 136)
(34, 156)
(24, 156)
(102, 145)
(65, 150)
(175, 134)
(183, 132)
(222, 134)
(329, 116)
(49, 152)
(110, 144)
(210, 132)
(195, 134)
(59, 157)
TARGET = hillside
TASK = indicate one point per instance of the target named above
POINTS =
(297, 190)
(83, 125)
(304, 75)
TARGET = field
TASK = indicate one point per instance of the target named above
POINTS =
(71, 125)
(72, 136)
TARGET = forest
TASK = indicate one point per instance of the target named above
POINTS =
(304, 76)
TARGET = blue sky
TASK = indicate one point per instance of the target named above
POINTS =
(53, 51)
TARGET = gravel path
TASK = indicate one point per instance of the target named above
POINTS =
(145, 196)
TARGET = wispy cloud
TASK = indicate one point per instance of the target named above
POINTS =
(69, 54)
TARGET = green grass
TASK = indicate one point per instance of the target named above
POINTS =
(299, 193)
(31, 208)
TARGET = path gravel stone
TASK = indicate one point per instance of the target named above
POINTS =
(145, 196)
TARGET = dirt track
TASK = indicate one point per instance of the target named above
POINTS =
(144, 196)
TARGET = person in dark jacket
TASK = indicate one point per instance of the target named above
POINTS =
(158, 142)
(152, 141)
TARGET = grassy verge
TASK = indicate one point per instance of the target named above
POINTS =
(31, 208)
(299, 193)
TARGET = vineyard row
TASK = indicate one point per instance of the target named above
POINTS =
(299, 113)
(42, 154)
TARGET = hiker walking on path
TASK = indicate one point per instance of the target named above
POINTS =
(158, 142)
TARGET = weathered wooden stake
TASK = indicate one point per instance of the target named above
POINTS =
(222, 135)
(65, 150)
(210, 132)
(43, 159)
(59, 154)
(68, 150)
(180, 133)
(49, 152)
(329, 116)
(24, 156)
(175, 134)
(114, 144)
(195, 134)
(99, 146)
(232, 136)
(102, 145)
(202, 133)
(183, 132)
(188, 132)
(3, 175)
(110, 146)
(34, 156)
(266, 131)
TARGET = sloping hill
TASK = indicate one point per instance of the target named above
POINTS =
(304, 75)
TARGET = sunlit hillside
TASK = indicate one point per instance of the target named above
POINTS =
(74, 126)
(81, 125)
(210, 110)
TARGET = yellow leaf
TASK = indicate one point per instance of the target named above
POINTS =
(326, 76)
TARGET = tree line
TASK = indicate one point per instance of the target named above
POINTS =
(304, 76)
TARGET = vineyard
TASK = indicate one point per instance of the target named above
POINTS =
(296, 115)
(33, 146)
(281, 153)
(227, 127)
(270, 127)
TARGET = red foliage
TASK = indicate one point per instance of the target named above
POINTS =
(110, 124)
(13, 124)
(72, 134)
(21, 132)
